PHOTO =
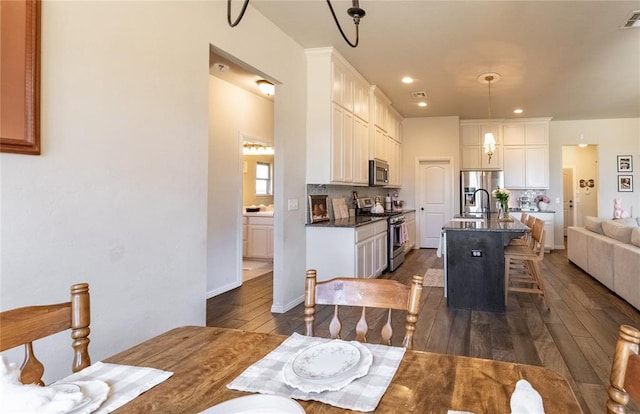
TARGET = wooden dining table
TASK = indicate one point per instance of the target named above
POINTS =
(205, 359)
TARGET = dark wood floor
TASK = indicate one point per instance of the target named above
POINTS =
(575, 337)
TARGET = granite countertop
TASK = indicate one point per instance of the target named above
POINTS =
(490, 223)
(356, 221)
(259, 214)
(519, 210)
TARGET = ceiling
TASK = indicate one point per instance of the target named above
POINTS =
(562, 59)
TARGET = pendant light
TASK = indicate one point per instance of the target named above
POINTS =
(355, 12)
(489, 144)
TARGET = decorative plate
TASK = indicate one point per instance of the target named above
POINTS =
(328, 366)
(95, 392)
(257, 404)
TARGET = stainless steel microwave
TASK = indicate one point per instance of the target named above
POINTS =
(378, 172)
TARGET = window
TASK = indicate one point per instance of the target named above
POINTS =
(263, 179)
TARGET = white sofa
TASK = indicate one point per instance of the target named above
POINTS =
(609, 250)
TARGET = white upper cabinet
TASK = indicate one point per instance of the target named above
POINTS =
(337, 120)
(386, 136)
(526, 153)
(361, 104)
(471, 139)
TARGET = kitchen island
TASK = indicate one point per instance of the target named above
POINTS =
(474, 260)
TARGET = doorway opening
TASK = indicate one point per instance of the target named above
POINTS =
(239, 113)
(580, 184)
(257, 206)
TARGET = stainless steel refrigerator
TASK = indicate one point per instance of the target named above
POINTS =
(472, 198)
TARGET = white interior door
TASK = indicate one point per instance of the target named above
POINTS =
(568, 195)
(435, 189)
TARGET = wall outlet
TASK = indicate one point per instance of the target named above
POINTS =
(293, 204)
(476, 253)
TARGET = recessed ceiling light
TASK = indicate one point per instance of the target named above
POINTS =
(633, 20)
(407, 79)
(422, 104)
(518, 111)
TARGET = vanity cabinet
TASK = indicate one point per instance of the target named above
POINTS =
(337, 120)
(471, 140)
(526, 153)
(245, 234)
(348, 251)
(260, 237)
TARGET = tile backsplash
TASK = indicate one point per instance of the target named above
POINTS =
(346, 192)
(514, 200)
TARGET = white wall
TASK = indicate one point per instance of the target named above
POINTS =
(118, 197)
(614, 137)
(424, 138)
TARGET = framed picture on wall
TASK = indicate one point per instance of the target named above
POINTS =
(318, 208)
(625, 183)
(625, 163)
(20, 65)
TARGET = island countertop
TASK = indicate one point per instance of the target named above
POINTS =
(485, 223)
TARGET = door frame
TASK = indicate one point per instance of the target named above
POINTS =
(416, 173)
(573, 197)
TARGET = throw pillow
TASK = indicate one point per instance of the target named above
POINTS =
(627, 222)
(593, 224)
(617, 231)
(635, 236)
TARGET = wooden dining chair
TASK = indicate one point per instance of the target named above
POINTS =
(527, 277)
(365, 293)
(23, 326)
(625, 371)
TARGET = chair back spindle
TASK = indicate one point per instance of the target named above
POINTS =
(23, 326)
(365, 293)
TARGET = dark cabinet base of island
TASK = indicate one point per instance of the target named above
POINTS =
(475, 269)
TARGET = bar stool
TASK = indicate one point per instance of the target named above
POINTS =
(528, 221)
(526, 278)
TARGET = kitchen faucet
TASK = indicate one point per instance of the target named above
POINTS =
(488, 198)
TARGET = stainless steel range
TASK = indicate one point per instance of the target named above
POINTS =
(396, 231)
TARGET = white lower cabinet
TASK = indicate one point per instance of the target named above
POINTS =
(260, 237)
(347, 251)
(410, 219)
(549, 232)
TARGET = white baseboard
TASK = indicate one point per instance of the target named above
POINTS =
(287, 307)
(223, 289)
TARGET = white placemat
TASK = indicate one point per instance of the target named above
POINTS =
(126, 382)
(363, 394)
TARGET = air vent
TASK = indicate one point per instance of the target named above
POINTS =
(419, 95)
(633, 21)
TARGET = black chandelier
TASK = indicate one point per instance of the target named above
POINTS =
(355, 12)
